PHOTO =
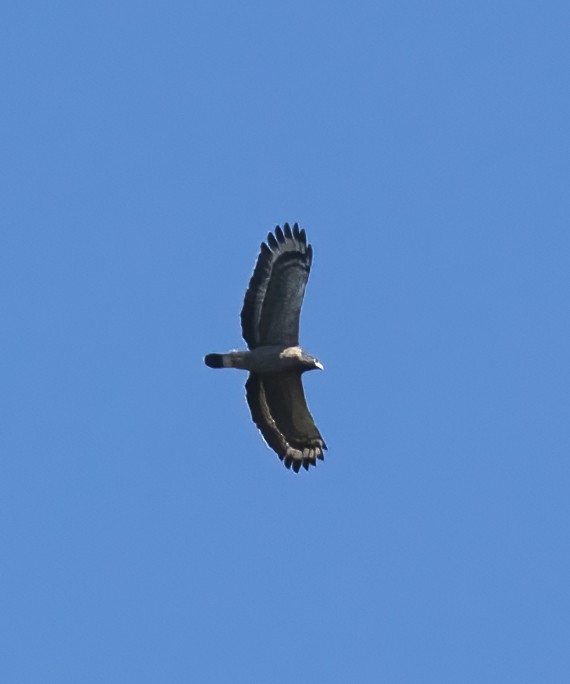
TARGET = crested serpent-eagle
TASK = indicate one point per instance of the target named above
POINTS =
(275, 361)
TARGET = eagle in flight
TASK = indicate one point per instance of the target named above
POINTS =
(275, 361)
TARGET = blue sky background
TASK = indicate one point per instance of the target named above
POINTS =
(147, 533)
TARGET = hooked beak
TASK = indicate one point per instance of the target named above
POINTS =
(319, 365)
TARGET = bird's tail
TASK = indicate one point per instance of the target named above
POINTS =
(233, 359)
(216, 361)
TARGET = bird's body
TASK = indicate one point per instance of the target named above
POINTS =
(275, 361)
(267, 359)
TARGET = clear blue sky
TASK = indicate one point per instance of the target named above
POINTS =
(147, 533)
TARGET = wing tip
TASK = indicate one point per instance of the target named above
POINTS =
(286, 233)
(294, 459)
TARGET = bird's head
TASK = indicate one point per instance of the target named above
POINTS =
(310, 362)
(300, 359)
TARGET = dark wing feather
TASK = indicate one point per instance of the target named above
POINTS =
(272, 304)
(278, 408)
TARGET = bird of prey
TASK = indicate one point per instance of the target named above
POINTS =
(275, 361)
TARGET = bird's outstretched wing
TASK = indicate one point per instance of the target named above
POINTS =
(272, 304)
(278, 408)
